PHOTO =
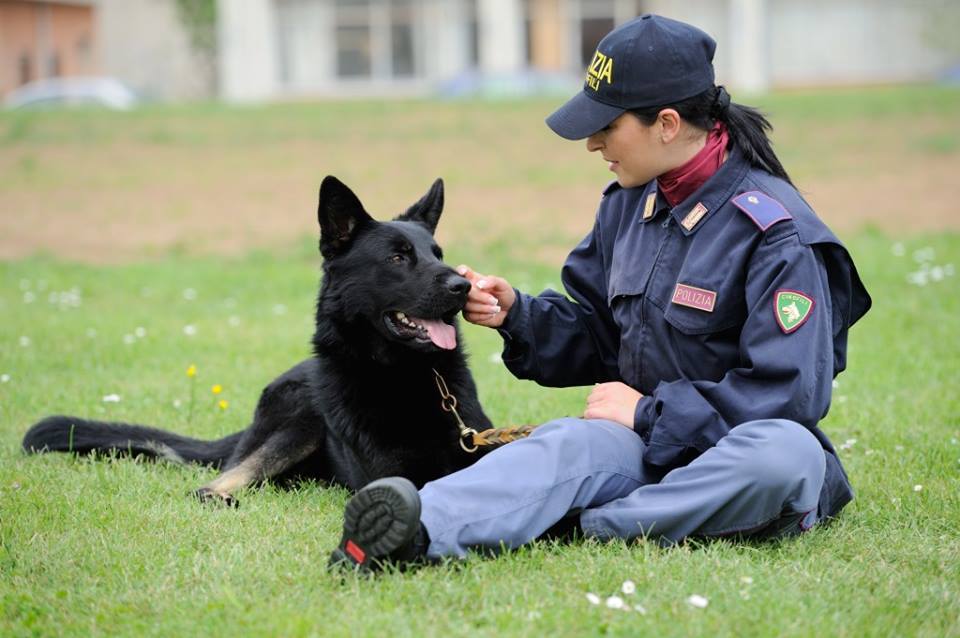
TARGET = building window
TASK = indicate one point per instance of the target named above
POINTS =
(24, 68)
(597, 19)
(592, 31)
(353, 50)
(354, 46)
(401, 38)
(53, 65)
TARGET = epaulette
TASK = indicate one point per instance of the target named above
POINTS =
(612, 186)
(762, 209)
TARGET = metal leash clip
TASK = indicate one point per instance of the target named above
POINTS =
(449, 403)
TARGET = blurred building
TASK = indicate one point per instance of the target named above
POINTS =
(142, 42)
(245, 50)
(271, 48)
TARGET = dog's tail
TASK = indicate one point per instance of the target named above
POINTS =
(81, 436)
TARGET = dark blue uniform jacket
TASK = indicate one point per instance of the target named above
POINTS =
(730, 307)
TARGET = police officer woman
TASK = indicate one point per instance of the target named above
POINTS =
(709, 305)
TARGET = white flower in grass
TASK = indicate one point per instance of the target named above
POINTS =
(918, 278)
(24, 342)
(190, 330)
(615, 602)
(746, 580)
(836, 384)
(897, 249)
(279, 309)
(4, 378)
(496, 357)
(189, 294)
(898, 448)
(628, 587)
(29, 297)
(640, 609)
(234, 321)
(129, 339)
(592, 598)
(111, 398)
(91, 333)
(140, 332)
(924, 254)
(917, 488)
(698, 601)
(177, 403)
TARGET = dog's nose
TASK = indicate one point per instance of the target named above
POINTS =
(458, 285)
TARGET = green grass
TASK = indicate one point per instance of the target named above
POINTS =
(115, 546)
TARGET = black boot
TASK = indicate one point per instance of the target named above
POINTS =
(381, 523)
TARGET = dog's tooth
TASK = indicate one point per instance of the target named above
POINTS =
(401, 316)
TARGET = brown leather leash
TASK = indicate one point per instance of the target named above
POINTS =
(470, 439)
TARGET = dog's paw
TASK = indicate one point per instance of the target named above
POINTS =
(207, 495)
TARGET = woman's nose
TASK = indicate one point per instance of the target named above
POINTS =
(595, 142)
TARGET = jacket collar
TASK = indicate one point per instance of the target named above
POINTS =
(691, 213)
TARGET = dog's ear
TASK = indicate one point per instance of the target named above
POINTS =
(427, 210)
(340, 213)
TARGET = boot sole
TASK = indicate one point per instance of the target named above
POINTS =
(379, 519)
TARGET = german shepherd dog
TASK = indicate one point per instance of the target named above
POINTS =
(366, 404)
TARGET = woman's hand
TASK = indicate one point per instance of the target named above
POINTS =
(613, 401)
(489, 300)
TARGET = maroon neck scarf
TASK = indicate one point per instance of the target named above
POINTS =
(677, 184)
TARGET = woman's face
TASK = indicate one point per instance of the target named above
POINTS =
(634, 151)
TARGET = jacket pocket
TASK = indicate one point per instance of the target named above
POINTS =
(699, 309)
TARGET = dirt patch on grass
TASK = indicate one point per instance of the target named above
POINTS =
(132, 199)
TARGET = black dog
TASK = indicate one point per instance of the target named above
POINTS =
(367, 404)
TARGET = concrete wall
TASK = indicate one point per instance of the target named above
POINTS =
(790, 43)
(143, 43)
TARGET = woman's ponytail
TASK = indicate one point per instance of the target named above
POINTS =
(748, 130)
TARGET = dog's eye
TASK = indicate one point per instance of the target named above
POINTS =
(396, 259)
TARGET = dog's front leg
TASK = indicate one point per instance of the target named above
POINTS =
(279, 452)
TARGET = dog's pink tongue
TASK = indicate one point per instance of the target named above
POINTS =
(441, 334)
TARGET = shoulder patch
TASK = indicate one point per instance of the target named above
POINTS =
(762, 209)
(609, 188)
(791, 308)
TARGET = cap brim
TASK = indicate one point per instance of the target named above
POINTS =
(581, 117)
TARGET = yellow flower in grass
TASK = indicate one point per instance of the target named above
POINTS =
(192, 371)
(223, 404)
(217, 389)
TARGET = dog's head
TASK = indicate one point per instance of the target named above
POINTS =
(388, 276)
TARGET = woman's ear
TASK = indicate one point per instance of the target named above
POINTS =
(669, 122)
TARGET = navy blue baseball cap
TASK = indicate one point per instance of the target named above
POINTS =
(648, 61)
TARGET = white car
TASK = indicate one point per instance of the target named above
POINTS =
(73, 91)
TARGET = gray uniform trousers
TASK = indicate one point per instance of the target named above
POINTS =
(762, 479)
